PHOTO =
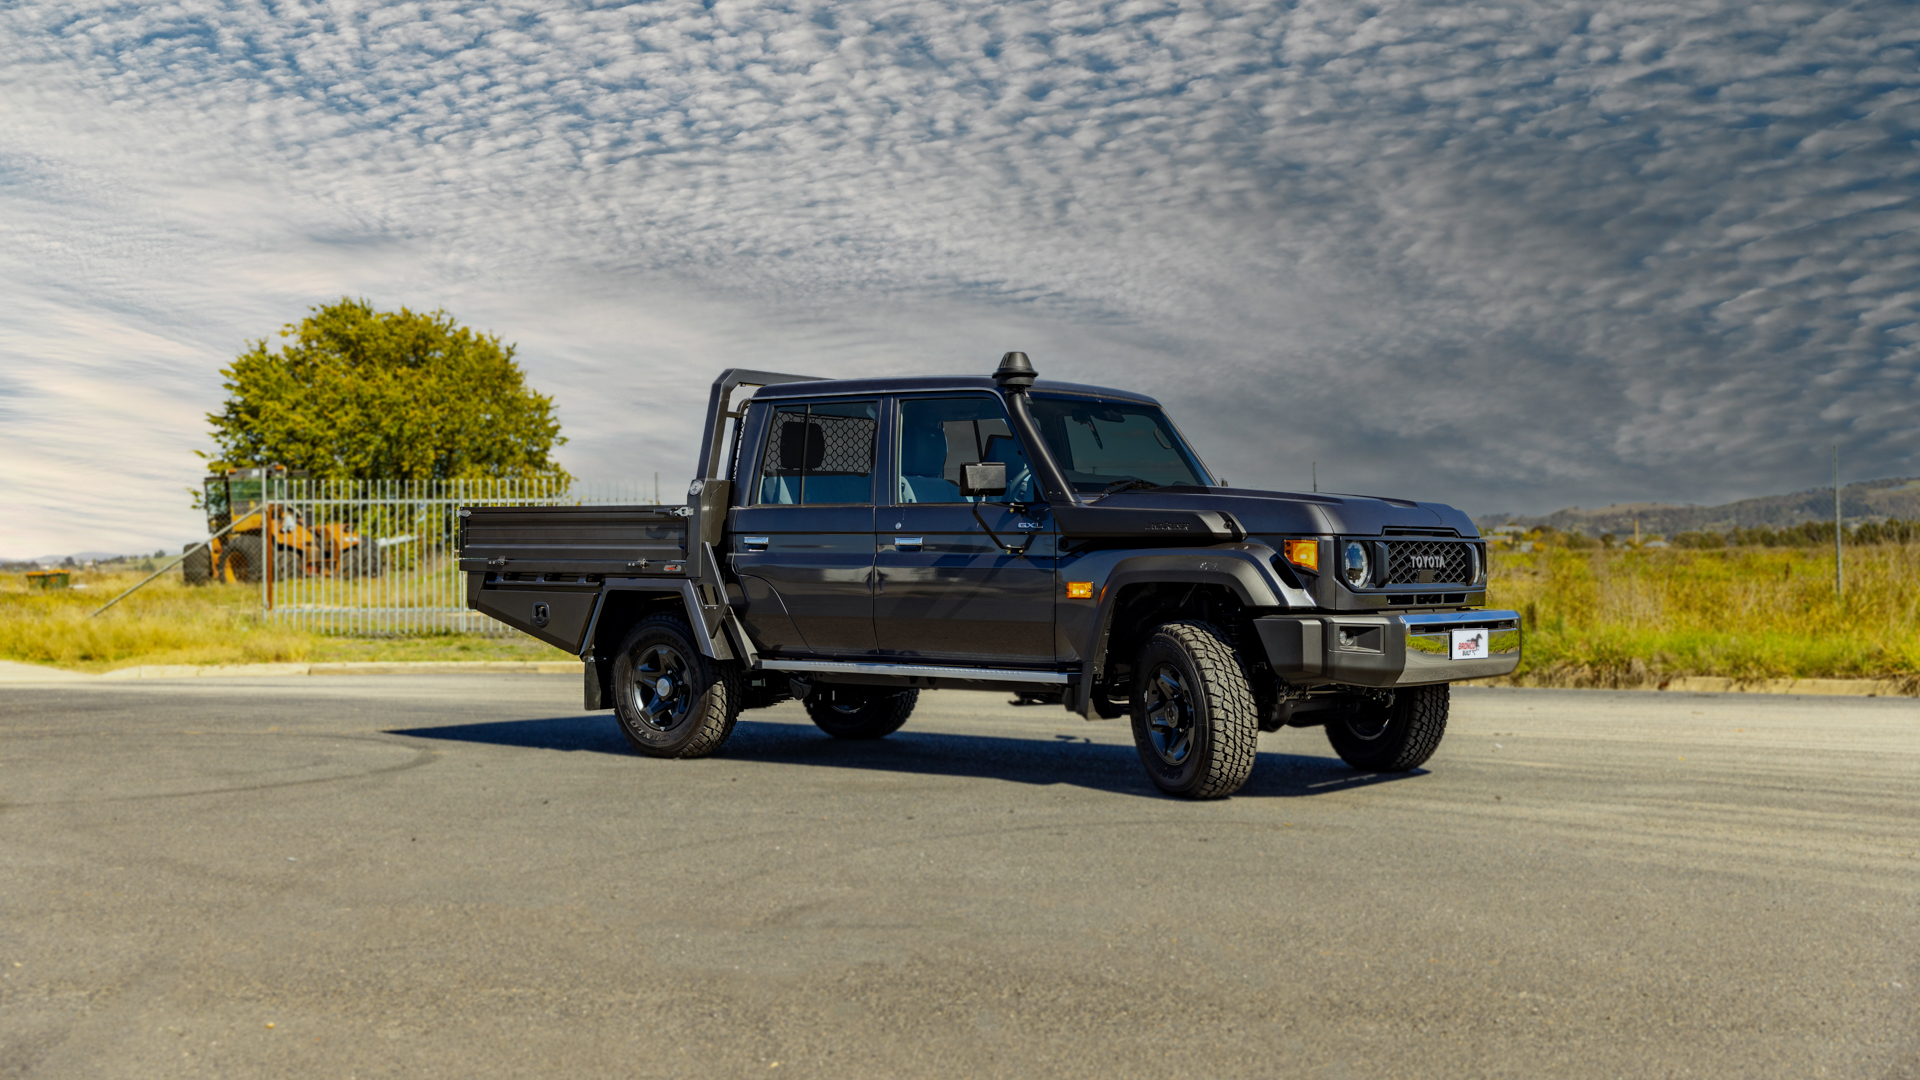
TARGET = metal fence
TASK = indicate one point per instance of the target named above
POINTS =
(378, 557)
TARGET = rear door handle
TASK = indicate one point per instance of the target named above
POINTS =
(754, 543)
(906, 542)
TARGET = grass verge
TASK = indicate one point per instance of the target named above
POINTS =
(1593, 618)
(1630, 618)
(170, 623)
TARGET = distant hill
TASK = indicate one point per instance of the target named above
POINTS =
(1869, 500)
(80, 558)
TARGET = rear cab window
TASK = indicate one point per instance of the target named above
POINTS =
(818, 453)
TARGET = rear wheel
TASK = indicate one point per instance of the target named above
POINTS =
(362, 559)
(1195, 722)
(848, 713)
(1395, 737)
(289, 563)
(671, 700)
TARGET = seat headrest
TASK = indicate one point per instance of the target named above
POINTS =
(803, 446)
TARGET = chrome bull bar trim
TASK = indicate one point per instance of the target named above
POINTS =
(1383, 650)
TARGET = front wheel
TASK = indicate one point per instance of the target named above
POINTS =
(240, 560)
(856, 714)
(1396, 737)
(197, 567)
(1195, 722)
(671, 701)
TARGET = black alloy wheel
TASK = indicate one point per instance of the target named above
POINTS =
(661, 687)
(1195, 722)
(1169, 714)
(671, 700)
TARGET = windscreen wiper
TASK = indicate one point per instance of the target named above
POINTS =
(1128, 484)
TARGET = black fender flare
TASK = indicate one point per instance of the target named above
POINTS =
(1243, 569)
(719, 634)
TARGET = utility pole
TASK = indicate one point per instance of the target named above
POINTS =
(1316, 476)
(656, 489)
(1839, 582)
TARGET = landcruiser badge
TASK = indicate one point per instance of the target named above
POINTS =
(1169, 526)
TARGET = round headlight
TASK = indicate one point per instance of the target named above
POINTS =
(1354, 564)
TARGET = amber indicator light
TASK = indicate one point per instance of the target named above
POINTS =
(1304, 554)
(1079, 590)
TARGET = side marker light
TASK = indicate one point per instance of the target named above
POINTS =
(1079, 590)
(1304, 554)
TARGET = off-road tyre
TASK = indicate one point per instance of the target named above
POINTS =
(1195, 721)
(700, 706)
(848, 713)
(1393, 738)
(288, 564)
(363, 560)
(240, 560)
(197, 567)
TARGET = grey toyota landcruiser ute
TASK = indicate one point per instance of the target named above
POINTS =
(853, 543)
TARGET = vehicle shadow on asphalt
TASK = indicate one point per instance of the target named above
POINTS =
(1060, 759)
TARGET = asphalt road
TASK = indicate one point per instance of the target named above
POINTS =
(465, 876)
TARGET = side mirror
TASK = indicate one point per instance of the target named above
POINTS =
(983, 478)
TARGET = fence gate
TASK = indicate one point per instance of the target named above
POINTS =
(377, 557)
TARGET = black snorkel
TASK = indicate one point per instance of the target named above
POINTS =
(1014, 377)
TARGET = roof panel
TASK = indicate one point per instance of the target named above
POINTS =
(928, 383)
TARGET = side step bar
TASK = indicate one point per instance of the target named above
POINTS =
(924, 671)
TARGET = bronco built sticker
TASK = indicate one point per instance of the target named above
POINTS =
(1470, 644)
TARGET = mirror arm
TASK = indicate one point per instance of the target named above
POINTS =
(1002, 544)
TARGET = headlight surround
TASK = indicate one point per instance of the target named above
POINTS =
(1355, 565)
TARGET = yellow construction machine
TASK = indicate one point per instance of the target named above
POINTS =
(272, 539)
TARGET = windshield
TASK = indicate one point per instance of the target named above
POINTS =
(1101, 444)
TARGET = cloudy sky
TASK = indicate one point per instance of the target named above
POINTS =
(1512, 255)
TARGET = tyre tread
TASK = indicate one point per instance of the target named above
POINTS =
(1234, 739)
(1419, 723)
(721, 710)
(881, 717)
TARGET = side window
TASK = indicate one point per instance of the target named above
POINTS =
(819, 452)
(939, 435)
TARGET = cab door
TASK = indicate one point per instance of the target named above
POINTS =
(802, 542)
(944, 589)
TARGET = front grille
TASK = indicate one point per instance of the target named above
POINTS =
(1428, 562)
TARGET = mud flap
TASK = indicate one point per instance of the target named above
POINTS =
(599, 684)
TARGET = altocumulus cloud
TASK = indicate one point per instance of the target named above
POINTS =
(1513, 255)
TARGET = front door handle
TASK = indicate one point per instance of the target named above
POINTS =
(754, 543)
(908, 543)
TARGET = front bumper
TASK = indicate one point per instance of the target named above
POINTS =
(1391, 650)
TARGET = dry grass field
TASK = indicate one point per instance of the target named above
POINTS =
(170, 623)
(1624, 617)
(1610, 617)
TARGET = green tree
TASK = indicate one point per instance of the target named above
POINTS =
(363, 394)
